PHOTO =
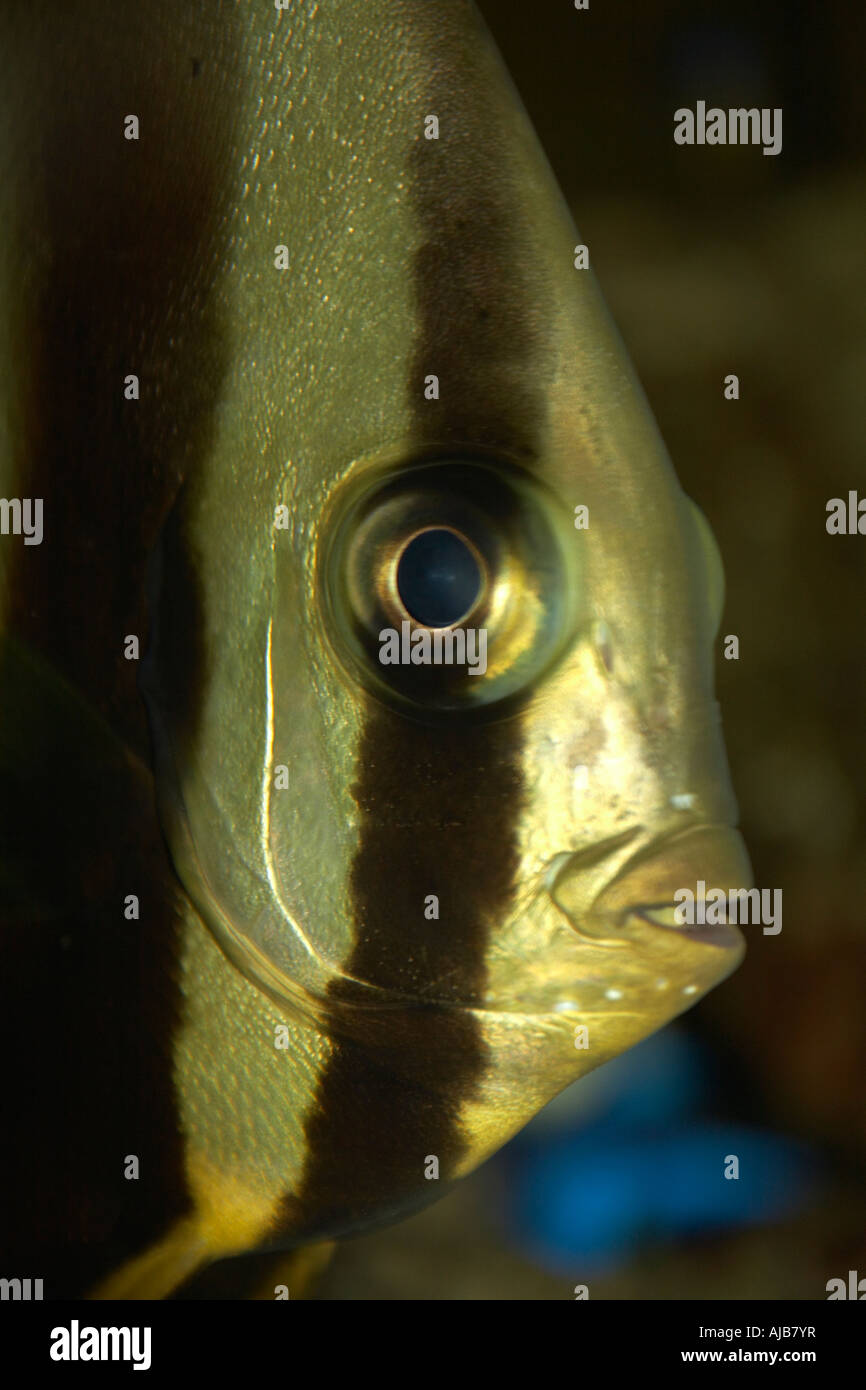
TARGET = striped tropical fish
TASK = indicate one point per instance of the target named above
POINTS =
(285, 289)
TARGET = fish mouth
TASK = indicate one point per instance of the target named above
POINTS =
(647, 884)
(664, 916)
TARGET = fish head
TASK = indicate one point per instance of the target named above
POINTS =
(428, 419)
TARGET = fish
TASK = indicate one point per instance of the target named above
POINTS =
(297, 349)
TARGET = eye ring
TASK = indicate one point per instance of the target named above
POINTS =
(514, 534)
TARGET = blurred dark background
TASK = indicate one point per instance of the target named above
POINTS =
(715, 260)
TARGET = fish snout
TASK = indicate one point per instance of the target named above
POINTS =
(682, 883)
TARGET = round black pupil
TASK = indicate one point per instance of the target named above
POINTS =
(438, 578)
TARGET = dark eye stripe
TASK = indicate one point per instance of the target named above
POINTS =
(479, 288)
(438, 815)
(439, 806)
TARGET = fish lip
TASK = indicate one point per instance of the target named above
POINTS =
(647, 878)
(721, 934)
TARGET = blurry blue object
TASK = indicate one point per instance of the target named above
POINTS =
(663, 1077)
(645, 1167)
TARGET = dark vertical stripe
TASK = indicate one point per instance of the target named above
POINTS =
(483, 291)
(438, 809)
(121, 241)
(439, 805)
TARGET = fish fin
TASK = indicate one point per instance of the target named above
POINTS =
(63, 774)
(33, 686)
(264, 1276)
(298, 1270)
(229, 1218)
(160, 1269)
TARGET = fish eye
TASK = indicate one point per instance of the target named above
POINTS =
(438, 577)
(448, 585)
